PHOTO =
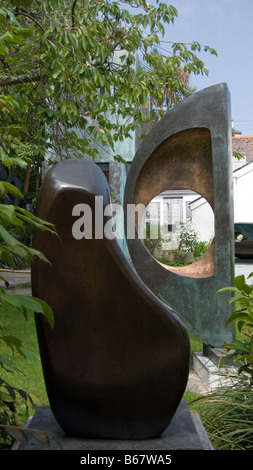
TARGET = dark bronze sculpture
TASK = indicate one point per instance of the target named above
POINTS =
(116, 363)
(190, 148)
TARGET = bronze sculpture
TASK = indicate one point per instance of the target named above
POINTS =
(116, 362)
(190, 148)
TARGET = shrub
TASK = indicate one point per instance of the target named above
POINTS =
(241, 349)
(227, 413)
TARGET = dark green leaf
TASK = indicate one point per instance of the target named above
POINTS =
(239, 282)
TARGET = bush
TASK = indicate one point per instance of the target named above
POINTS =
(227, 413)
(200, 248)
(241, 349)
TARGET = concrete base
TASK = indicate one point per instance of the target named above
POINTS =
(210, 374)
(185, 432)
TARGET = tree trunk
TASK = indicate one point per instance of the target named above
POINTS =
(27, 179)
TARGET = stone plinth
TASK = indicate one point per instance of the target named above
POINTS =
(185, 432)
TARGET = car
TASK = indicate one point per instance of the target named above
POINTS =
(243, 232)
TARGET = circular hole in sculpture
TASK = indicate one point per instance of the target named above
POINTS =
(178, 227)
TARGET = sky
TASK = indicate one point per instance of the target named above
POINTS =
(227, 26)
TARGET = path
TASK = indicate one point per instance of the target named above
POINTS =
(16, 278)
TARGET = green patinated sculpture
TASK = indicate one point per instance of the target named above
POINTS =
(190, 148)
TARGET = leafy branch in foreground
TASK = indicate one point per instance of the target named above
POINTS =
(10, 246)
(241, 349)
(227, 412)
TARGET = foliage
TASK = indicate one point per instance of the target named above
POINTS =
(200, 247)
(238, 155)
(22, 373)
(227, 412)
(11, 397)
(10, 247)
(58, 62)
(241, 349)
(227, 415)
(189, 247)
(12, 400)
(188, 236)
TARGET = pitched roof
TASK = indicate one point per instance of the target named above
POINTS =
(243, 145)
(241, 171)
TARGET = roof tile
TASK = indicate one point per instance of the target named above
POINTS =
(243, 145)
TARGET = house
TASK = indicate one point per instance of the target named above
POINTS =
(242, 185)
(182, 206)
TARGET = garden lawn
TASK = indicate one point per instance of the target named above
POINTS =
(30, 378)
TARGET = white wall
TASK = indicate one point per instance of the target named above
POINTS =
(202, 214)
(243, 194)
(203, 219)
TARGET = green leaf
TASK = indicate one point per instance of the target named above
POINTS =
(7, 237)
(3, 51)
(14, 343)
(3, 12)
(239, 298)
(6, 397)
(33, 304)
(6, 257)
(227, 289)
(246, 369)
(40, 224)
(238, 315)
(238, 346)
(6, 103)
(29, 354)
(249, 358)
(11, 189)
(11, 161)
(239, 282)
(8, 365)
(247, 289)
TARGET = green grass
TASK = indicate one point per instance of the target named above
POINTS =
(195, 343)
(31, 378)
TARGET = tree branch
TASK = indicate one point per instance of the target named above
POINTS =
(7, 80)
(73, 14)
(22, 11)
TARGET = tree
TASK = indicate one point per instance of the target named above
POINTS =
(58, 60)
